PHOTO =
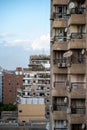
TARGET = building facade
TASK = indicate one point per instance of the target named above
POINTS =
(36, 86)
(11, 81)
(68, 43)
(1, 85)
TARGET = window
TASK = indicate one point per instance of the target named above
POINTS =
(60, 34)
(61, 11)
(20, 110)
(60, 124)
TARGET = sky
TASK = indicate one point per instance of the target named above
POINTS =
(24, 31)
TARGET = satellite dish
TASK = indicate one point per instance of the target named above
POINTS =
(71, 5)
(83, 51)
(65, 29)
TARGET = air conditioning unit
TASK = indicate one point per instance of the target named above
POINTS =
(68, 110)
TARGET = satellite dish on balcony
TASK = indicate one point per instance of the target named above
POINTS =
(71, 5)
(67, 54)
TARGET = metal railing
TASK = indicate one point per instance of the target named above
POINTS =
(77, 10)
(60, 60)
(60, 129)
(60, 38)
(78, 85)
(59, 107)
(78, 35)
(78, 110)
(60, 15)
(59, 84)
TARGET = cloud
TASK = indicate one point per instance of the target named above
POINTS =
(41, 43)
(4, 35)
(36, 45)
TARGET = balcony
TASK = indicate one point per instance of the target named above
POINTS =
(77, 16)
(78, 90)
(78, 126)
(77, 35)
(59, 16)
(59, 115)
(77, 41)
(78, 110)
(77, 69)
(60, 2)
(59, 107)
(59, 89)
(59, 92)
(60, 43)
(61, 62)
(59, 23)
(77, 118)
(57, 69)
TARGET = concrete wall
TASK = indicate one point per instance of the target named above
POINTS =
(31, 112)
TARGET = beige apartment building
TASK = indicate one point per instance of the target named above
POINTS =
(31, 112)
(68, 43)
(33, 98)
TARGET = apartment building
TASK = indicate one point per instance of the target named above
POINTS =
(36, 89)
(11, 81)
(68, 43)
(1, 84)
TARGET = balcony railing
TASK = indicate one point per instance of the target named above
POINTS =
(60, 128)
(78, 110)
(78, 85)
(60, 38)
(60, 60)
(77, 10)
(59, 84)
(60, 15)
(59, 107)
(79, 60)
(78, 35)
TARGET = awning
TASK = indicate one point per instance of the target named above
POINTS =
(67, 54)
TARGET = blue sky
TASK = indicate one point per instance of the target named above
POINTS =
(24, 31)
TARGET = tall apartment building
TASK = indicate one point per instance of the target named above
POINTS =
(68, 31)
(34, 96)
